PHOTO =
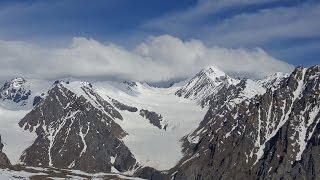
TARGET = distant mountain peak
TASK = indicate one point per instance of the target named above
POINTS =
(213, 72)
(15, 83)
(16, 90)
(205, 83)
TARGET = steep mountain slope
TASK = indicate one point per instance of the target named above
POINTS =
(223, 101)
(273, 135)
(76, 129)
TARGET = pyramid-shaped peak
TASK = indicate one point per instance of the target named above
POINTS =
(213, 71)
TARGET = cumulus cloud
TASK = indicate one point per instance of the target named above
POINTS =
(161, 58)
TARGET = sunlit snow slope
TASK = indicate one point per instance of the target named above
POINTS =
(16, 140)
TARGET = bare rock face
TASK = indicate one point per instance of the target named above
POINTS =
(123, 107)
(153, 117)
(274, 135)
(4, 161)
(150, 173)
(76, 130)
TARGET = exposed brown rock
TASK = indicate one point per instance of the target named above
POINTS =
(4, 161)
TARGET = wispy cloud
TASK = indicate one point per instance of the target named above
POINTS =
(237, 25)
(179, 21)
(157, 59)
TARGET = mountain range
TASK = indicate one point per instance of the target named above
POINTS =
(211, 126)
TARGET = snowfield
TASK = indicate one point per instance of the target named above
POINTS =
(152, 146)
(15, 139)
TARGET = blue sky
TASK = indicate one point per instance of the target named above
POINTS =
(106, 20)
(288, 30)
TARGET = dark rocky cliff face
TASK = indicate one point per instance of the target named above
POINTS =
(4, 161)
(76, 131)
(154, 118)
(271, 136)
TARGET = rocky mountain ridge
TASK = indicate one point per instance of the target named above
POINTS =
(271, 136)
(76, 131)
(211, 81)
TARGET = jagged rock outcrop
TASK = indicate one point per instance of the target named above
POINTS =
(274, 135)
(123, 107)
(153, 117)
(38, 99)
(4, 161)
(76, 129)
(150, 173)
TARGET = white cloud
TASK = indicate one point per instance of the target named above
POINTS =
(157, 59)
(267, 25)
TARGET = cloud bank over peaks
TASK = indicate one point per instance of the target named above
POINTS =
(161, 58)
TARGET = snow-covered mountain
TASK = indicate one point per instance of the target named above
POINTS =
(206, 83)
(273, 80)
(63, 126)
(210, 83)
(15, 90)
(274, 135)
(19, 93)
(210, 126)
